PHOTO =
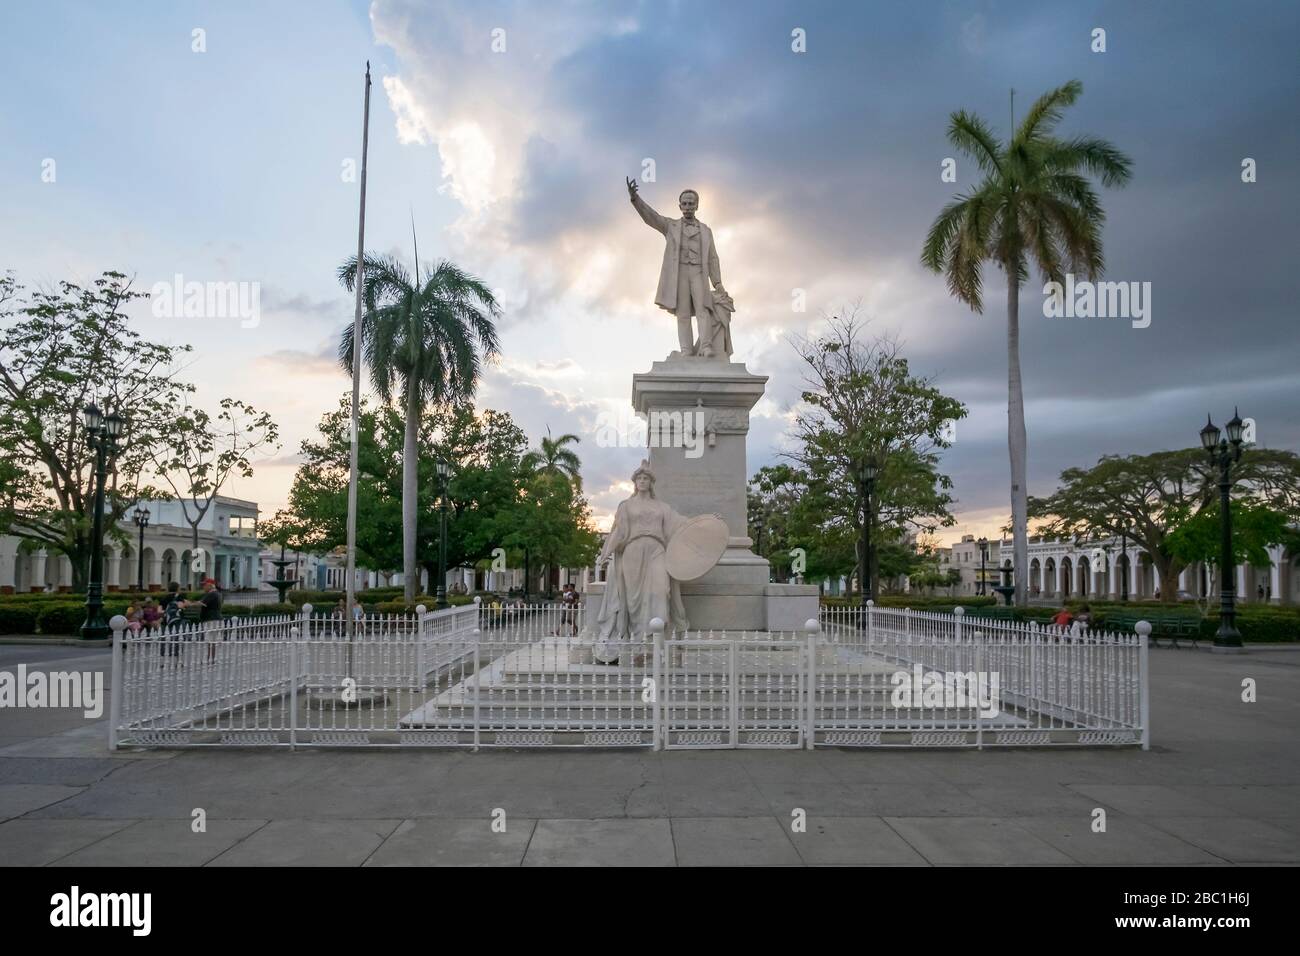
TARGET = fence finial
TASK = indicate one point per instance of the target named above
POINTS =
(306, 610)
(118, 624)
(958, 611)
(812, 625)
(421, 609)
(1143, 628)
(657, 625)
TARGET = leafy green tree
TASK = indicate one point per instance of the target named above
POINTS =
(205, 450)
(483, 490)
(1035, 205)
(553, 523)
(774, 495)
(421, 343)
(318, 496)
(861, 401)
(60, 350)
(1156, 495)
(1255, 528)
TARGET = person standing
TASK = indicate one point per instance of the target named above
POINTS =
(172, 603)
(210, 616)
(569, 597)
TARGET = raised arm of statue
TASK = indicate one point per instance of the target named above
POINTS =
(644, 209)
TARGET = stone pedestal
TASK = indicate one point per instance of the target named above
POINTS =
(697, 411)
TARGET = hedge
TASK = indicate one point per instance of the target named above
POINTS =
(918, 602)
(1259, 623)
(16, 620)
(66, 619)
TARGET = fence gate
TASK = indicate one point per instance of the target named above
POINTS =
(720, 693)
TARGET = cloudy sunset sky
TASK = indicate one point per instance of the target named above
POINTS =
(817, 170)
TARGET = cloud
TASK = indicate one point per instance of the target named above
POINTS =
(820, 176)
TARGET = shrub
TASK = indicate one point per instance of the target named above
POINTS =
(918, 602)
(1259, 623)
(63, 618)
(17, 620)
(265, 610)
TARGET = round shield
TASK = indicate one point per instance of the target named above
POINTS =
(695, 547)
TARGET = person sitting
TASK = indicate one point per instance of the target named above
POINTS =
(1063, 617)
(134, 619)
(150, 615)
(1084, 618)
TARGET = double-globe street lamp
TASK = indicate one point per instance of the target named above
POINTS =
(141, 518)
(1224, 453)
(984, 554)
(867, 481)
(444, 472)
(102, 433)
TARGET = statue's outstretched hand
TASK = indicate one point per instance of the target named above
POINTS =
(631, 189)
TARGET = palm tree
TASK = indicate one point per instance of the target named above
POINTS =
(1036, 204)
(554, 461)
(424, 343)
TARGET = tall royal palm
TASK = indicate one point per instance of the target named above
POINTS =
(1036, 205)
(421, 343)
(553, 458)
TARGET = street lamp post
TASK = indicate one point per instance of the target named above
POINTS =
(102, 432)
(867, 478)
(1223, 453)
(444, 471)
(1123, 584)
(984, 553)
(1110, 581)
(141, 517)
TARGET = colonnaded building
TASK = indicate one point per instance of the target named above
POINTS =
(1064, 569)
(228, 551)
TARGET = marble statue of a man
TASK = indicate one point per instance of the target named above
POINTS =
(690, 265)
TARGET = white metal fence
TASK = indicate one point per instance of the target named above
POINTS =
(479, 676)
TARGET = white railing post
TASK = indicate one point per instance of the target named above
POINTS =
(421, 623)
(658, 675)
(957, 614)
(978, 639)
(813, 627)
(293, 688)
(306, 619)
(478, 692)
(118, 625)
(871, 612)
(1143, 629)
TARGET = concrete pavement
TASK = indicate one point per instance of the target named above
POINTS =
(1220, 786)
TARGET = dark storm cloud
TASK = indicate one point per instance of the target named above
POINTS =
(842, 147)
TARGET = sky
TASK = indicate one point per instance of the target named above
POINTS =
(213, 141)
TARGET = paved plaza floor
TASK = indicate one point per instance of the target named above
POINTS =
(1220, 786)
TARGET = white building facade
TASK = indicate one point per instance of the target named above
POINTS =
(227, 551)
(1063, 569)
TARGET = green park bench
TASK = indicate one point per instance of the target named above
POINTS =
(1170, 624)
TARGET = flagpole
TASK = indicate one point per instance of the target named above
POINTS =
(356, 382)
